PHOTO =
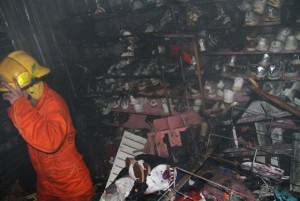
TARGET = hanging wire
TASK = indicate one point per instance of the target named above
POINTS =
(212, 183)
(252, 149)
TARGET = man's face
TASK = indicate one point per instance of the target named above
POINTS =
(36, 91)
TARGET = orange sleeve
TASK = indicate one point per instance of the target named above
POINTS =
(45, 133)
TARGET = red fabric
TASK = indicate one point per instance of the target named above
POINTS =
(186, 57)
(174, 50)
(49, 132)
(193, 194)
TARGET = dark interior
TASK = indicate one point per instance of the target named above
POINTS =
(215, 82)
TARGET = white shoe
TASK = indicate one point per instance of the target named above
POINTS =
(259, 6)
(229, 96)
(291, 43)
(276, 46)
(238, 84)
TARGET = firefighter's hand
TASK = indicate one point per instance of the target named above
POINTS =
(13, 94)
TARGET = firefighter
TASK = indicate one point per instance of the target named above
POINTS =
(43, 120)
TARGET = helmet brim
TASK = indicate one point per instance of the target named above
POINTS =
(42, 72)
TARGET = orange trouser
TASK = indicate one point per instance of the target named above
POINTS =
(88, 197)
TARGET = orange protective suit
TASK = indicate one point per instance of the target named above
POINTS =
(48, 129)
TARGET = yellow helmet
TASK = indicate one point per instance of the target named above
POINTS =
(22, 67)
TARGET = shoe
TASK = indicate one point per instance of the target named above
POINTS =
(275, 3)
(276, 46)
(164, 105)
(245, 6)
(126, 86)
(160, 3)
(213, 42)
(192, 15)
(138, 107)
(221, 84)
(297, 97)
(227, 70)
(252, 18)
(160, 178)
(283, 34)
(149, 28)
(292, 69)
(124, 102)
(127, 54)
(251, 45)
(283, 194)
(261, 72)
(265, 61)
(289, 89)
(259, 6)
(132, 100)
(215, 68)
(297, 34)
(295, 59)
(276, 70)
(263, 44)
(197, 105)
(272, 14)
(238, 84)
(138, 170)
(211, 89)
(193, 87)
(232, 61)
(153, 102)
(220, 92)
(251, 41)
(202, 45)
(136, 4)
(221, 17)
(269, 88)
(291, 43)
(128, 37)
(239, 70)
(106, 110)
(99, 10)
(229, 96)
(252, 68)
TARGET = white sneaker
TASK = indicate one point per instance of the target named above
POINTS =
(263, 44)
(229, 96)
(259, 6)
(276, 46)
(245, 6)
(252, 18)
(275, 3)
(291, 43)
(283, 34)
(238, 84)
(138, 107)
(276, 70)
(160, 178)
(221, 84)
(269, 88)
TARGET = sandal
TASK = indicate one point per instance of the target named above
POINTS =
(138, 170)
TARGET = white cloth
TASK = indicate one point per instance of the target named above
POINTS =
(122, 189)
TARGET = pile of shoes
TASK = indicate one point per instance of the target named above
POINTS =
(251, 39)
(141, 178)
(274, 68)
(261, 11)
